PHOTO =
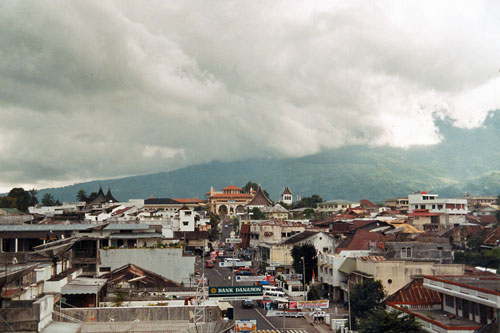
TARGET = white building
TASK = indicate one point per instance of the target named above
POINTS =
(451, 211)
(335, 206)
(287, 196)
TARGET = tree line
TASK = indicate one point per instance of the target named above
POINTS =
(21, 199)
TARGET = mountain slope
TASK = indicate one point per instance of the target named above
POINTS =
(466, 160)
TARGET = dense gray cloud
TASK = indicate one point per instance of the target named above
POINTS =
(99, 89)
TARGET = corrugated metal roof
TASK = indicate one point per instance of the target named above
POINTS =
(136, 235)
(127, 226)
(46, 227)
(83, 286)
(348, 266)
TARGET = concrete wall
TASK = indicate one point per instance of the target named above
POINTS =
(396, 274)
(28, 317)
(167, 262)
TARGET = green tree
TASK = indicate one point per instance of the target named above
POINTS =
(236, 225)
(255, 186)
(474, 243)
(365, 297)
(33, 198)
(311, 202)
(381, 321)
(82, 196)
(257, 214)
(313, 294)
(305, 256)
(214, 228)
(7, 202)
(48, 200)
(22, 198)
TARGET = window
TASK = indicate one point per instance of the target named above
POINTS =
(406, 252)
(185, 223)
(449, 301)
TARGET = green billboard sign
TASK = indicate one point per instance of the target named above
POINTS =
(234, 291)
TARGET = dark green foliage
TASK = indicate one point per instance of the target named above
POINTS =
(381, 321)
(313, 294)
(474, 243)
(484, 258)
(82, 196)
(311, 202)
(364, 298)
(214, 228)
(255, 186)
(48, 200)
(20, 199)
(307, 251)
(257, 214)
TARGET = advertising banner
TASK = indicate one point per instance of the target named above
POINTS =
(245, 325)
(322, 304)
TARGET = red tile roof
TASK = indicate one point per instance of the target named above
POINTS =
(363, 238)
(493, 237)
(414, 293)
(231, 187)
(488, 219)
(232, 195)
(366, 203)
(189, 200)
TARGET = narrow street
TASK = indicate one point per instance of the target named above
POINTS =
(218, 276)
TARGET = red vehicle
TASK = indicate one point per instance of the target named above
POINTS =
(221, 253)
(209, 264)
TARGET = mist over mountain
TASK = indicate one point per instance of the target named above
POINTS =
(466, 160)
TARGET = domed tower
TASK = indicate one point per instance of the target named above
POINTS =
(287, 196)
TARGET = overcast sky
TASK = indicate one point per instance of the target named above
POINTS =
(103, 89)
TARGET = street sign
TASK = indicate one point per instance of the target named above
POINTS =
(233, 240)
(235, 264)
(269, 268)
(235, 292)
(274, 313)
(275, 264)
(250, 278)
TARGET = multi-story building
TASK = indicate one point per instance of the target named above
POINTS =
(451, 211)
(231, 201)
(335, 206)
(451, 304)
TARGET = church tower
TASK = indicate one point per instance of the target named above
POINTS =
(287, 196)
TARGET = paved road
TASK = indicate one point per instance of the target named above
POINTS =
(218, 276)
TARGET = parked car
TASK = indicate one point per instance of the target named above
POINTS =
(248, 304)
(209, 264)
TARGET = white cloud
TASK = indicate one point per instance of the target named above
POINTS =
(88, 88)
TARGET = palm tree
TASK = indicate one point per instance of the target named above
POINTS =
(82, 195)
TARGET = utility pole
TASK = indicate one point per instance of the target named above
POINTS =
(304, 276)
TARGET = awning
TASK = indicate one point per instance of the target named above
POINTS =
(83, 286)
(348, 266)
(136, 235)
